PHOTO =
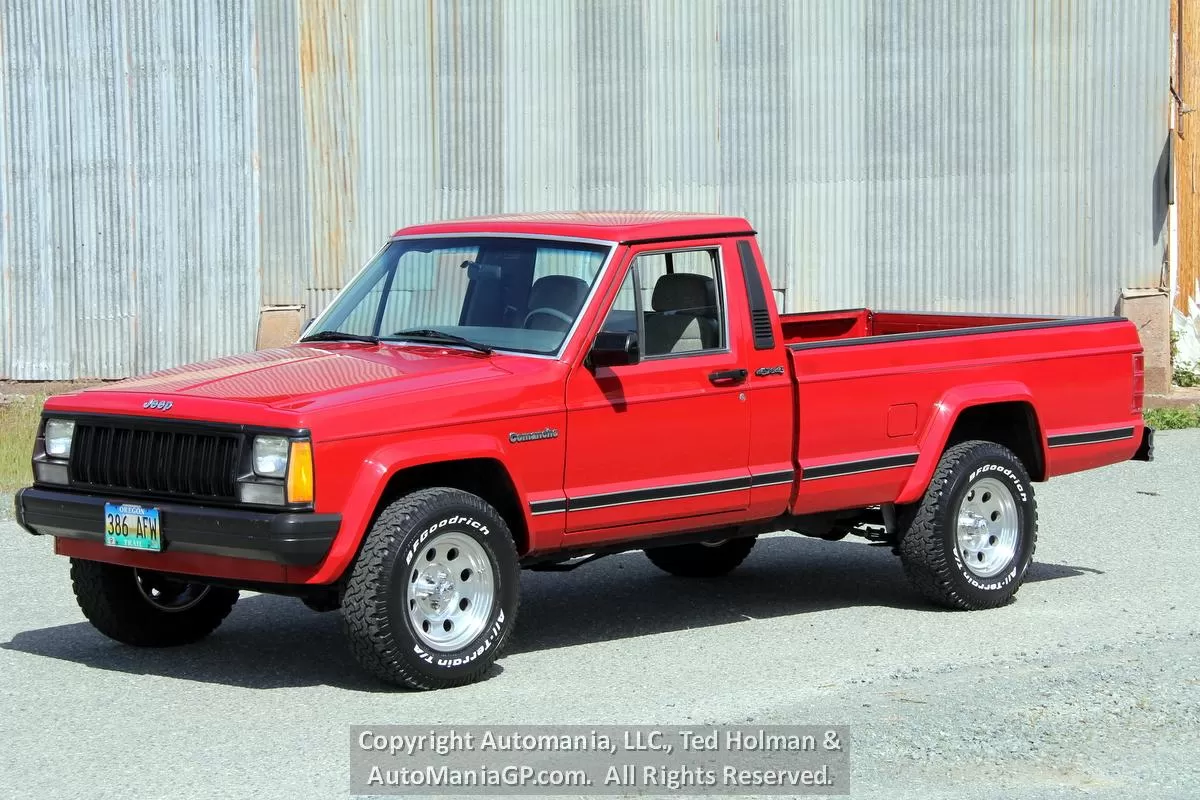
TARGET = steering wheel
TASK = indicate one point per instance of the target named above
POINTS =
(551, 312)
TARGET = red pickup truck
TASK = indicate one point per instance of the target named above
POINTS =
(537, 391)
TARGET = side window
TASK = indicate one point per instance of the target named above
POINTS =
(681, 302)
(622, 317)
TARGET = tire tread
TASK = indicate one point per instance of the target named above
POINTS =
(921, 552)
(368, 629)
(109, 598)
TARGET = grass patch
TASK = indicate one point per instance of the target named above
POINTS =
(18, 425)
(1165, 419)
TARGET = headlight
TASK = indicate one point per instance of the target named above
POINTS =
(58, 435)
(271, 456)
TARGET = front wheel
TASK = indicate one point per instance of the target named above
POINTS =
(970, 541)
(701, 559)
(434, 593)
(148, 609)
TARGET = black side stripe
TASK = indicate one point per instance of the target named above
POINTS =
(660, 493)
(1112, 435)
(773, 478)
(855, 467)
(548, 506)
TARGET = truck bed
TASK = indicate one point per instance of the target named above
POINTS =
(877, 391)
(860, 323)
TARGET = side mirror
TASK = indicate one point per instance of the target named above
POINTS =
(614, 349)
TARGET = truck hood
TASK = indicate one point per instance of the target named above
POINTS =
(299, 376)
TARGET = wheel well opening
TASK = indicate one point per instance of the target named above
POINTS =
(1012, 424)
(483, 477)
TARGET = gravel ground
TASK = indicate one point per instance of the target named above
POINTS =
(1087, 686)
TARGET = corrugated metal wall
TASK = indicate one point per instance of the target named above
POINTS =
(169, 166)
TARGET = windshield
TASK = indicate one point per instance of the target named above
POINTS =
(486, 291)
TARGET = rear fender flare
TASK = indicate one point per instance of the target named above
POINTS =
(945, 413)
(377, 471)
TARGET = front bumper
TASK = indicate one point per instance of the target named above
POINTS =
(289, 538)
(1145, 451)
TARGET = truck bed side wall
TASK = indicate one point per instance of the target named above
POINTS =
(857, 323)
(874, 417)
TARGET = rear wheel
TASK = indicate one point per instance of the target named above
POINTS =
(970, 541)
(433, 595)
(148, 609)
(701, 559)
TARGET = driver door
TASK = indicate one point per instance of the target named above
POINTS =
(667, 438)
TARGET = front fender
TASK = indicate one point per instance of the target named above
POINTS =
(945, 413)
(377, 470)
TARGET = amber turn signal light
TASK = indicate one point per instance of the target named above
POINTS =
(300, 473)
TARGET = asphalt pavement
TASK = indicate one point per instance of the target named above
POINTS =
(1087, 686)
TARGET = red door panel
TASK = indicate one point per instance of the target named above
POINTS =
(666, 438)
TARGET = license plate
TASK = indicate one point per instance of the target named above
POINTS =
(133, 527)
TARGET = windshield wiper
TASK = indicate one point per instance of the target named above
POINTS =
(440, 337)
(340, 336)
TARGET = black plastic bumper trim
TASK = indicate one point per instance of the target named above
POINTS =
(1145, 451)
(291, 538)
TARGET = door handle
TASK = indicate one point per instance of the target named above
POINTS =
(727, 376)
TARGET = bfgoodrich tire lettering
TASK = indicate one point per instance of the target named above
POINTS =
(932, 533)
(378, 606)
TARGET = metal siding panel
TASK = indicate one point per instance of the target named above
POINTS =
(756, 133)
(471, 136)
(6, 119)
(821, 247)
(127, 187)
(538, 90)
(99, 201)
(38, 220)
(937, 237)
(609, 134)
(329, 74)
(397, 173)
(979, 155)
(280, 149)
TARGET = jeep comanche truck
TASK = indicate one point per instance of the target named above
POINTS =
(536, 391)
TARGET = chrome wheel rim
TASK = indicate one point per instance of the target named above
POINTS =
(169, 594)
(988, 527)
(451, 591)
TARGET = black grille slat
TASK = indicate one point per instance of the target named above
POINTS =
(108, 460)
(174, 463)
(227, 475)
(192, 487)
(206, 461)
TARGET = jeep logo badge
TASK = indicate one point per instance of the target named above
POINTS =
(158, 405)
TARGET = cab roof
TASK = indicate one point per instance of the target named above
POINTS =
(626, 227)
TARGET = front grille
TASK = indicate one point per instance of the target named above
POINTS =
(181, 463)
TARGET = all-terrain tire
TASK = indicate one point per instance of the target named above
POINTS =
(701, 560)
(930, 548)
(401, 553)
(116, 600)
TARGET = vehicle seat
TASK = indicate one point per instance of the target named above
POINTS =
(684, 316)
(564, 294)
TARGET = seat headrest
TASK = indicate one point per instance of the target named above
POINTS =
(684, 291)
(562, 292)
